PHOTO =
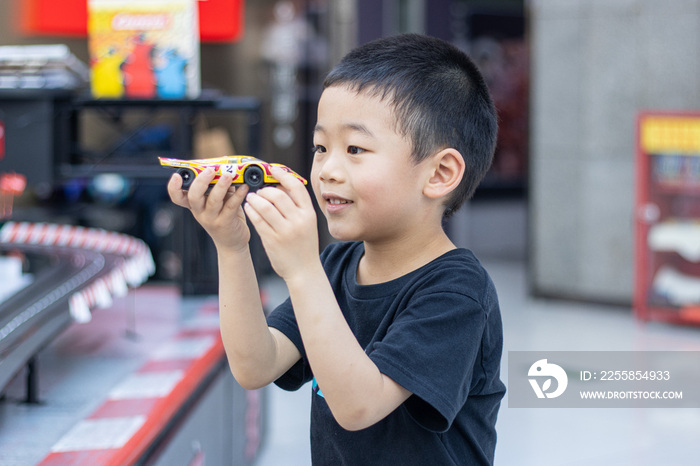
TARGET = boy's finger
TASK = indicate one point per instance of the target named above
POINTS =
(198, 189)
(236, 196)
(259, 222)
(279, 198)
(292, 184)
(177, 195)
(265, 209)
(220, 189)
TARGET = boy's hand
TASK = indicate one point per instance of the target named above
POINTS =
(220, 212)
(285, 219)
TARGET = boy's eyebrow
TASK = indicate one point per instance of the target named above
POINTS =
(354, 127)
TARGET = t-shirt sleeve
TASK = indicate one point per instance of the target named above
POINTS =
(431, 349)
(282, 318)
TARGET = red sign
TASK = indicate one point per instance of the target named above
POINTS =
(219, 20)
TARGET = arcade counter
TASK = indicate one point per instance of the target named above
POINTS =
(144, 382)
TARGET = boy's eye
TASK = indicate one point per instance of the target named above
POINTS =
(354, 150)
(318, 149)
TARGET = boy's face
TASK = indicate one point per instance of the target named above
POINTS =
(363, 176)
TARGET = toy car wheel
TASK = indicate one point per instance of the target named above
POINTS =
(254, 177)
(187, 177)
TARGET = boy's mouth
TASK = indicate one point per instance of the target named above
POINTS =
(334, 200)
(332, 197)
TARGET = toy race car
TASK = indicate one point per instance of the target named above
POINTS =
(245, 169)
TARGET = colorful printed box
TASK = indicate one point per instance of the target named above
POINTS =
(144, 49)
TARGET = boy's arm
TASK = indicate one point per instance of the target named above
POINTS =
(358, 394)
(257, 355)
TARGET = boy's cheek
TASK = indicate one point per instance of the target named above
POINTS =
(316, 187)
(313, 176)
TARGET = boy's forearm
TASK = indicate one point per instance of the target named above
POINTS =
(356, 391)
(250, 347)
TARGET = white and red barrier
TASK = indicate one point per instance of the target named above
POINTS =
(133, 271)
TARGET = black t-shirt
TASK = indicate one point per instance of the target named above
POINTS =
(437, 332)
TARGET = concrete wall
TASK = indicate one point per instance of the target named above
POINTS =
(595, 64)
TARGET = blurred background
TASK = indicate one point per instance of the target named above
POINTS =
(588, 217)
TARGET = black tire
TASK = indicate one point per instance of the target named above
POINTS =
(188, 176)
(254, 177)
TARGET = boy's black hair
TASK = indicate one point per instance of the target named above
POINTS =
(439, 97)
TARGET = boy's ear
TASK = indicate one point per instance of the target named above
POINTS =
(446, 172)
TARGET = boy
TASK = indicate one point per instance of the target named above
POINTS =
(398, 330)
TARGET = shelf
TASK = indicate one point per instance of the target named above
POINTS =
(129, 168)
(667, 257)
(677, 189)
(682, 237)
(676, 173)
(677, 288)
(211, 99)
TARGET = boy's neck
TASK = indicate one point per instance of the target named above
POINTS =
(387, 261)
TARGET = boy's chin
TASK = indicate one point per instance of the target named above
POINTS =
(341, 234)
(343, 237)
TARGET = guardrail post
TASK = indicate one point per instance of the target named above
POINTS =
(32, 382)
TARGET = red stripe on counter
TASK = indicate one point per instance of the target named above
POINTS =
(147, 415)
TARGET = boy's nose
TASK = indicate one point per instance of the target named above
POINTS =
(330, 169)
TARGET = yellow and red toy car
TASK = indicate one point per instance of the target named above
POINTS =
(244, 168)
